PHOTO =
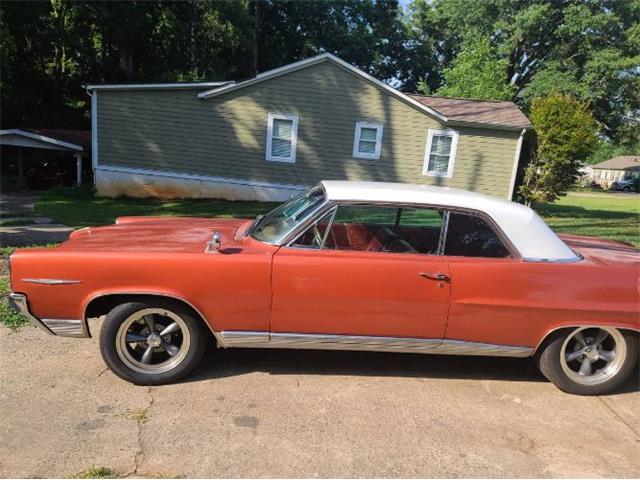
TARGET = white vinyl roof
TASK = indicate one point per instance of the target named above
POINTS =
(528, 233)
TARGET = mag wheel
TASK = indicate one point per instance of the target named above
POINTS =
(590, 360)
(152, 343)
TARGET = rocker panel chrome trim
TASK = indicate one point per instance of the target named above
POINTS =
(246, 339)
(65, 327)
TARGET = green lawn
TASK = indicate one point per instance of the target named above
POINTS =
(79, 208)
(597, 214)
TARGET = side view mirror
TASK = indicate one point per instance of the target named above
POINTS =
(213, 246)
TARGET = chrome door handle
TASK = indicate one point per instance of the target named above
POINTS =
(439, 277)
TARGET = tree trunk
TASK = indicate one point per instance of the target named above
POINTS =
(257, 35)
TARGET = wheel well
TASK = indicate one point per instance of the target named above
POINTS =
(103, 304)
(559, 331)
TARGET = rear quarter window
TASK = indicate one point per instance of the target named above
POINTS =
(472, 236)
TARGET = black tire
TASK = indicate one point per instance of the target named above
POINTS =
(549, 362)
(198, 341)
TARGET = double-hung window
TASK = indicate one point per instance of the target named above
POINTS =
(367, 140)
(441, 153)
(282, 137)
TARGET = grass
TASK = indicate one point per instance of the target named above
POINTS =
(598, 214)
(96, 472)
(78, 207)
(8, 316)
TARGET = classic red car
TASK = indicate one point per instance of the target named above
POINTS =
(349, 266)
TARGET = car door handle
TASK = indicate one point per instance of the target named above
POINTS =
(439, 277)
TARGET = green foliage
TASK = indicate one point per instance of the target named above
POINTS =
(96, 472)
(58, 46)
(606, 149)
(566, 135)
(589, 49)
(8, 316)
(477, 73)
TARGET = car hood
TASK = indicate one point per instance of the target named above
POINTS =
(603, 251)
(154, 234)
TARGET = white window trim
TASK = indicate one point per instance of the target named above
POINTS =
(294, 137)
(356, 140)
(452, 154)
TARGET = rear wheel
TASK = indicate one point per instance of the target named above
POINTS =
(152, 343)
(589, 360)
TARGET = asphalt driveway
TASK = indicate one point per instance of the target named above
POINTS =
(305, 414)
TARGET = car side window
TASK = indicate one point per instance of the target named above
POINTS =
(376, 228)
(314, 236)
(471, 236)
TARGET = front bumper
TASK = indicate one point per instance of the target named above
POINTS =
(59, 327)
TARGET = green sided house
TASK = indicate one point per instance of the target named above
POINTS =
(271, 136)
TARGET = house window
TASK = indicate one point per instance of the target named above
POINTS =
(367, 140)
(440, 153)
(282, 136)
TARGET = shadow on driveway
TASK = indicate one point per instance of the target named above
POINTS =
(221, 363)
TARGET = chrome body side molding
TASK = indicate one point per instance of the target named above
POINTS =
(19, 303)
(246, 339)
(65, 328)
(51, 281)
(54, 326)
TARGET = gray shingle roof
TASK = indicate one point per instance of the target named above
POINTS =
(623, 162)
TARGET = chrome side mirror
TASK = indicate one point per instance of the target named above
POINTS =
(213, 246)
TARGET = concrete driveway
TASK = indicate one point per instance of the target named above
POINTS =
(305, 414)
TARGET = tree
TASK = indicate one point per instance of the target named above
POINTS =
(589, 49)
(566, 135)
(476, 73)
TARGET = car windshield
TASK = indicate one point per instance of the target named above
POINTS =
(275, 225)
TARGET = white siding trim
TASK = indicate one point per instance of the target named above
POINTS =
(156, 86)
(452, 153)
(294, 137)
(516, 159)
(41, 138)
(356, 140)
(193, 176)
(94, 131)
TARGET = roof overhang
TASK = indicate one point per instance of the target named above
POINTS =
(157, 86)
(324, 57)
(23, 138)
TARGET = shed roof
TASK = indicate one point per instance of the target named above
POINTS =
(488, 112)
(623, 162)
(76, 140)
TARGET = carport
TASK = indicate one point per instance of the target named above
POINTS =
(61, 140)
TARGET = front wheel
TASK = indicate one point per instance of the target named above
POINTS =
(589, 360)
(152, 343)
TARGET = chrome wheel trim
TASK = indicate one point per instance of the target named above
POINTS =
(593, 355)
(164, 332)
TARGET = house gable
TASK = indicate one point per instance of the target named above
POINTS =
(226, 135)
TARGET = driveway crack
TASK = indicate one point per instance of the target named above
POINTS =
(140, 416)
(620, 419)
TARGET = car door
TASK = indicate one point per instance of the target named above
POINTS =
(491, 286)
(364, 270)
